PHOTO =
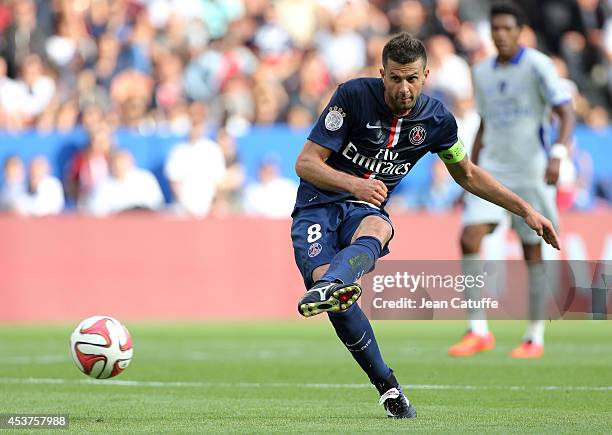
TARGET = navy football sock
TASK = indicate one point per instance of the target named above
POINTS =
(352, 262)
(354, 330)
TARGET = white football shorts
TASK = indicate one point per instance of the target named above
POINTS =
(540, 196)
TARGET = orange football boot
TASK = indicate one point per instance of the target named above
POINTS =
(528, 349)
(471, 344)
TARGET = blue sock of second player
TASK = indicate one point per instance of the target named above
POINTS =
(353, 261)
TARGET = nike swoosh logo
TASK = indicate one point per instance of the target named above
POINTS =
(373, 126)
(321, 291)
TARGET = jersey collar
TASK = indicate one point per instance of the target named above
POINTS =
(515, 59)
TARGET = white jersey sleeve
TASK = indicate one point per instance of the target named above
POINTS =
(478, 96)
(551, 86)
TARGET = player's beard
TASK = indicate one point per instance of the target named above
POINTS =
(404, 105)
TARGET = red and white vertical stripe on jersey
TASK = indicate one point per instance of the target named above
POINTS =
(395, 132)
(393, 139)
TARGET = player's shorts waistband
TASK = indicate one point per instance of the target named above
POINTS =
(364, 203)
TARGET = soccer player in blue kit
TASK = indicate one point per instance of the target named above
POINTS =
(370, 135)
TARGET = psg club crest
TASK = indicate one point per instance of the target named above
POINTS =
(417, 135)
(334, 118)
(314, 250)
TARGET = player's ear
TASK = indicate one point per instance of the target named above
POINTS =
(382, 73)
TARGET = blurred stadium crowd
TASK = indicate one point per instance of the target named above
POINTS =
(208, 70)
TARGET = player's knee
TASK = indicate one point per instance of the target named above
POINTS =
(319, 272)
(383, 235)
(383, 232)
(470, 241)
(532, 252)
(374, 227)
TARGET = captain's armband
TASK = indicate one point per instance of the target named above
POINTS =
(454, 154)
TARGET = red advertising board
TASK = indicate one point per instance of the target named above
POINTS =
(144, 267)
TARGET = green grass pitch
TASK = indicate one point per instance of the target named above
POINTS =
(296, 377)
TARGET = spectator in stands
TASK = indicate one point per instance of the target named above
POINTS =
(195, 169)
(450, 75)
(90, 93)
(45, 193)
(14, 189)
(570, 86)
(474, 41)
(228, 198)
(584, 197)
(90, 166)
(106, 64)
(342, 48)
(447, 18)
(239, 104)
(313, 80)
(169, 86)
(67, 116)
(128, 188)
(5, 16)
(299, 117)
(410, 16)
(442, 193)
(137, 52)
(271, 39)
(10, 117)
(203, 75)
(35, 89)
(23, 36)
(99, 17)
(92, 116)
(70, 47)
(272, 195)
(270, 101)
(176, 120)
(597, 118)
(468, 119)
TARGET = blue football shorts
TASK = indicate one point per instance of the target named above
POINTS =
(319, 232)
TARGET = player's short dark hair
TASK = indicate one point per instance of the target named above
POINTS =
(404, 48)
(509, 8)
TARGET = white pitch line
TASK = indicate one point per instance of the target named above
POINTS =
(187, 384)
(27, 359)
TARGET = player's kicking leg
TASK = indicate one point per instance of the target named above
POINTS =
(334, 291)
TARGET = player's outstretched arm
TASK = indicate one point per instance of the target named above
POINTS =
(311, 166)
(478, 145)
(479, 182)
(567, 122)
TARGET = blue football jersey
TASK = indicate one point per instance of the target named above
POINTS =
(368, 141)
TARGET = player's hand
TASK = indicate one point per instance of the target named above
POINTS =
(543, 227)
(370, 190)
(552, 171)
